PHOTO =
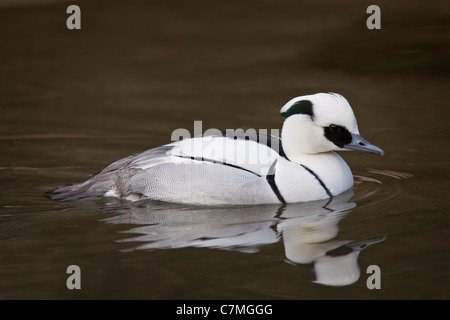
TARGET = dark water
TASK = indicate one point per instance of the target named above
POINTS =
(74, 101)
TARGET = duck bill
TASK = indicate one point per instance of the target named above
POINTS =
(358, 143)
(362, 244)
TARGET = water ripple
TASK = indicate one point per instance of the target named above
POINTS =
(382, 186)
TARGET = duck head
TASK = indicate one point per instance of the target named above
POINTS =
(321, 122)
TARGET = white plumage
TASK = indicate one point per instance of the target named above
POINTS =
(242, 168)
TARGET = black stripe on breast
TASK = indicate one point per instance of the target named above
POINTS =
(271, 180)
(217, 162)
(319, 180)
(281, 152)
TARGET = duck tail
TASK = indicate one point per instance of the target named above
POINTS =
(80, 191)
(112, 178)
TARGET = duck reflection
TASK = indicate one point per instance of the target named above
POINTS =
(306, 229)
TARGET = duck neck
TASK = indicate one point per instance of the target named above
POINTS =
(301, 145)
(294, 151)
(294, 147)
(301, 138)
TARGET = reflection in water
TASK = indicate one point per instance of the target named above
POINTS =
(307, 230)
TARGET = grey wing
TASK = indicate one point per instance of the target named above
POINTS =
(208, 170)
(113, 179)
(198, 170)
(198, 182)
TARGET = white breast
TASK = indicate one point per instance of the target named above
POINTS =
(332, 170)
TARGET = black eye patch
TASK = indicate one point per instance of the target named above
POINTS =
(339, 135)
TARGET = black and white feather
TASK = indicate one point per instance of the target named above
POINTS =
(241, 168)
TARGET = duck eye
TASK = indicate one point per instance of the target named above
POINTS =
(339, 135)
(334, 128)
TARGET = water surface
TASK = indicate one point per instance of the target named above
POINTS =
(74, 101)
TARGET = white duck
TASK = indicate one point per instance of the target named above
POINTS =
(241, 169)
